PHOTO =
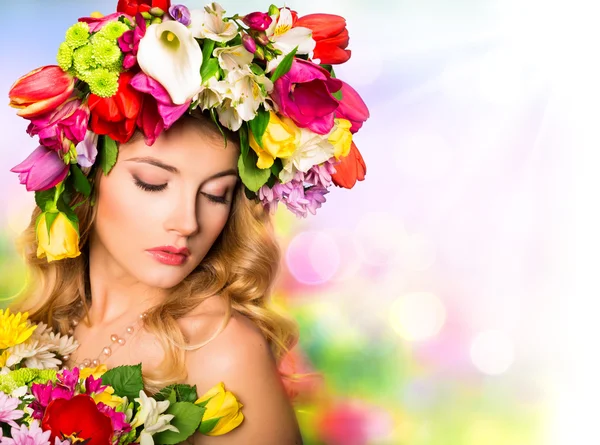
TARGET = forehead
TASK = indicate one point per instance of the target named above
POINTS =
(190, 146)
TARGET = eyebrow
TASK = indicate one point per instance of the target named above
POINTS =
(156, 162)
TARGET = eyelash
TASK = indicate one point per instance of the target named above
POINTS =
(159, 188)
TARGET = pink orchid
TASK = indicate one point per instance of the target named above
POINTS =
(158, 112)
(41, 170)
(304, 94)
(352, 108)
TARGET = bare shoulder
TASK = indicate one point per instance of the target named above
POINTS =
(240, 357)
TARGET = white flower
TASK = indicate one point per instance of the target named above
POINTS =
(63, 345)
(33, 355)
(312, 149)
(233, 58)
(208, 23)
(209, 96)
(41, 330)
(150, 415)
(285, 38)
(170, 55)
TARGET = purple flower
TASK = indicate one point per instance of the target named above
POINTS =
(181, 13)
(41, 170)
(32, 435)
(130, 40)
(316, 197)
(61, 127)
(298, 199)
(249, 43)
(8, 409)
(258, 21)
(87, 150)
(321, 174)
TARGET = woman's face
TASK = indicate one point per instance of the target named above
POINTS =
(177, 193)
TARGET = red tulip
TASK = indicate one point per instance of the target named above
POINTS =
(40, 91)
(79, 417)
(352, 107)
(331, 35)
(116, 116)
(352, 168)
(132, 7)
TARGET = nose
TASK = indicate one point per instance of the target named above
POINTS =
(184, 215)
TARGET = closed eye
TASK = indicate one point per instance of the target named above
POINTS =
(149, 187)
(216, 199)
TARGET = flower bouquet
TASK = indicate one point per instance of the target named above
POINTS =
(40, 404)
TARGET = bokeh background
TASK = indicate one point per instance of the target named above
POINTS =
(446, 299)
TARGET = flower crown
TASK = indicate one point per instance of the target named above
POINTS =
(267, 76)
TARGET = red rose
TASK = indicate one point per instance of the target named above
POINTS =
(331, 35)
(116, 116)
(132, 7)
(79, 417)
(352, 168)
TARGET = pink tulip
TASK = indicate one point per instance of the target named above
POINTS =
(41, 170)
(304, 94)
(352, 108)
(158, 112)
(57, 129)
(97, 23)
(40, 91)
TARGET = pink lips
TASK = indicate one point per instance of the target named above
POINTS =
(170, 255)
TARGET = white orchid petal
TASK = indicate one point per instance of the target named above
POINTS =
(233, 57)
(296, 37)
(175, 63)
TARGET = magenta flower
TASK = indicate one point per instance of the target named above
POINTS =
(259, 21)
(130, 40)
(57, 129)
(181, 14)
(304, 94)
(32, 435)
(41, 170)
(93, 385)
(96, 24)
(118, 419)
(352, 107)
(249, 43)
(68, 379)
(8, 409)
(158, 112)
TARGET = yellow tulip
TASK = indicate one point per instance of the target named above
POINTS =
(63, 242)
(14, 328)
(341, 138)
(279, 141)
(223, 411)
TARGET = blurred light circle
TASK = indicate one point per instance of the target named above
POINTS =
(418, 253)
(312, 257)
(348, 250)
(492, 352)
(417, 315)
(379, 238)
(380, 424)
(423, 156)
(19, 214)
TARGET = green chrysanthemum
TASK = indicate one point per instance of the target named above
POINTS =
(102, 82)
(77, 35)
(64, 56)
(112, 31)
(106, 53)
(83, 59)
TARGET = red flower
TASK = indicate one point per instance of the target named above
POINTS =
(331, 35)
(352, 107)
(352, 168)
(116, 116)
(132, 7)
(79, 418)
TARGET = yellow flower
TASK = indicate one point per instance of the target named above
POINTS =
(279, 141)
(223, 411)
(108, 398)
(341, 138)
(63, 242)
(97, 372)
(3, 357)
(14, 328)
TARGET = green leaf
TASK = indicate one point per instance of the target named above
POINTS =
(244, 143)
(215, 119)
(80, 181)
(252, 176)
(284, 66)
(209, 70)
(208, 47)
(277, 167)
(183, 392)
(257, 69)
(50, 217)
(249, 194)
(187, 419)
(208, 425)
(337, 94)
(259, 124)
(125, 379)
(44, 197)
(108, 153)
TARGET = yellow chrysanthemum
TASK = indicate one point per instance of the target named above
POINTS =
(3, 357)
(14, 328)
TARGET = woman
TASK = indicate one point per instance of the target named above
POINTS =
(166, 138)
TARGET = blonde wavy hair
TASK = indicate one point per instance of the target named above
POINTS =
(241, 267)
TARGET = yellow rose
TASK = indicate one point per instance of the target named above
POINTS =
(223, 411)
(63, 242)
(279, 141)
(341, 138)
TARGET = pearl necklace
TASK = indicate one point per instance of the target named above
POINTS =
(115, 339)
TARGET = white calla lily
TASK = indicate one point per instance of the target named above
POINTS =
(170, 55)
